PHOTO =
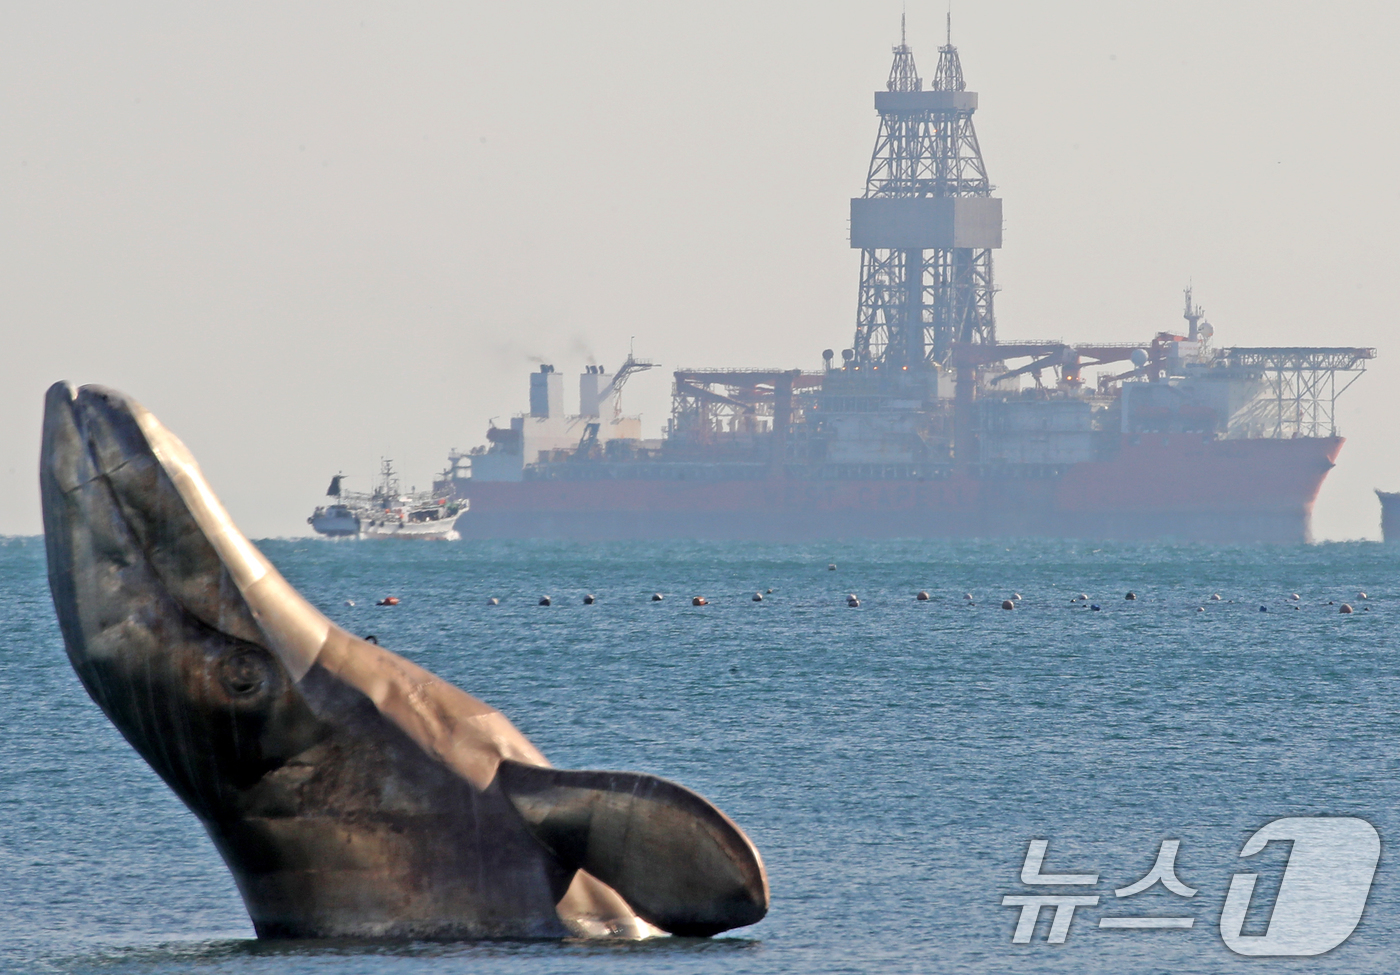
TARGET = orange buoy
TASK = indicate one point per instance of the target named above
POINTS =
(699, 601)
(388, 601)
(1346, 608)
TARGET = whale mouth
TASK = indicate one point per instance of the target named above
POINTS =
(116, 528)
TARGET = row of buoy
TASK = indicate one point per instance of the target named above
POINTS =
(851, 600)
(922, 596)
(588, 600)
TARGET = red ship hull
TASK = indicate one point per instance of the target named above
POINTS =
(1158, 486)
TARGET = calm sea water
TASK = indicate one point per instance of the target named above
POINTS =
(891, 762)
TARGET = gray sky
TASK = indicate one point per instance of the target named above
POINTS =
(310, 234)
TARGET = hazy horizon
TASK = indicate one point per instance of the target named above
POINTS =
(310, 236)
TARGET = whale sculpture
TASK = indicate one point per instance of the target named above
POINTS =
(350, 792)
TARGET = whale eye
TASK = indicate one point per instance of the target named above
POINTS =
(243, 673)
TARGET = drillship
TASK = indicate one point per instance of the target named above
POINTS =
(930, 425)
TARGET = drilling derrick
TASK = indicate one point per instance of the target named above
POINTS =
(927, 223)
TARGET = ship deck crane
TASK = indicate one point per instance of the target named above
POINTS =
(614, 388)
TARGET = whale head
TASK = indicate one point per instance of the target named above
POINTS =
(350, 792)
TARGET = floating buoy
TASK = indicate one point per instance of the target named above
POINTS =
(770, 590)
(493, 601)
(1016, 597)
(967, 595)
(371, 638)
(1095, 607)
(388, 601)
(831, 567)
(1295, 597)
(758, 597)
(1215, 598)
(922, 596)
(852, 601)
(589, 600)
(1007, 604)
(545, 600)
(1082, 597)
(1346, 608)
(656, 597)
(699, 601)
(1362, 595)
(349, 602)
(1200, 609)
(1130, 595)
(1263, 609)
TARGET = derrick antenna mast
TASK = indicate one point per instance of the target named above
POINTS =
(927, 224)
